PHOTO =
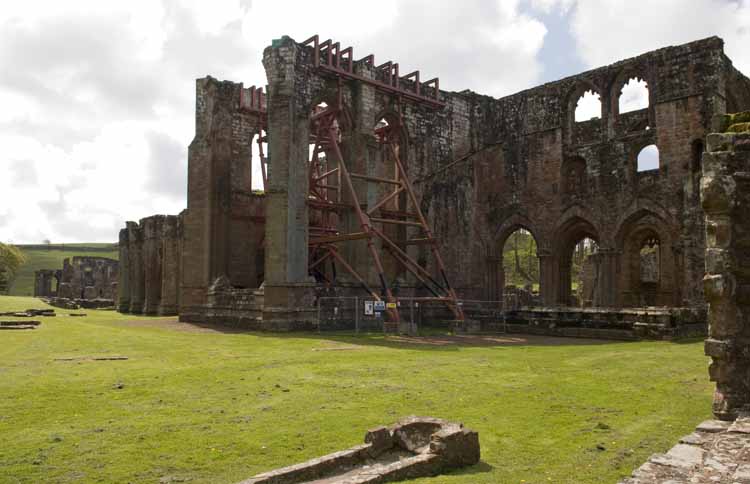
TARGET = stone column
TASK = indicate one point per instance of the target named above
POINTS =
(135, 276)
(123, 302)
(547, 280)
(152, 238)
(170, 266)
(287, 286)
(495, 279)
(606, 293)
(725, 196)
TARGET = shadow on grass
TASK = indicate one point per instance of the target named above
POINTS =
(689, 340)
(432, 339)
(481, 468)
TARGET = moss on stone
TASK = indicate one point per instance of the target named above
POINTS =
(728, 123)
(739, 128)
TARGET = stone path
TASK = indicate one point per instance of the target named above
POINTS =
(717, 452)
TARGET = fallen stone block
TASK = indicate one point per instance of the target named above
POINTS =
(412, 448)
(19, 324)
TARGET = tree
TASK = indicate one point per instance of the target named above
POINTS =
(11, 259)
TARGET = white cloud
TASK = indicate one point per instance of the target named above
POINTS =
(634, 96)
(610, 30)
(98, 97)
(548, 6)
(589, 106)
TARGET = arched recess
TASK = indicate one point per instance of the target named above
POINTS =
(578, 237)
(696, 158)
(647, 265)
(381, 163)
(574, 178)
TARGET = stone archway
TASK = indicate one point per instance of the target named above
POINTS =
(569, 236)
(495, 278)
(644, 241)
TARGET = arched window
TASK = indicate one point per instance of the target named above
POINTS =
(648, 159)
(633, 96)
(574, 177)
(588, 106)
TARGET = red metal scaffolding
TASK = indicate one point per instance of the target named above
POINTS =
(332, 192)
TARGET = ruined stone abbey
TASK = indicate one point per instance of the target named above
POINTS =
(381, 184)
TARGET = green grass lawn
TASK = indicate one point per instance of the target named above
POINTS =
(218, 407)
(43, 258)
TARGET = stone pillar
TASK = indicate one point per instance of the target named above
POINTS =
(495, 279)
(136, 274)
(605, 292)
(123, 300)
(547, 279)
(725, 196)
(152, 254)
(288, 295)
(170, 266)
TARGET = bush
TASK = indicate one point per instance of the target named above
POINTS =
(11, 259)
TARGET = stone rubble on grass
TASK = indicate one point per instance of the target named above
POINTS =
(717, 452)
(414, 447)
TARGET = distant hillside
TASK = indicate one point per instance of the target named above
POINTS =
(51, 256)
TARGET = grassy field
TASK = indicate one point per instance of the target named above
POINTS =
(40, 257)
(209, 406)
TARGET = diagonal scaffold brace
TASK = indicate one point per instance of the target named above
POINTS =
(330, 185)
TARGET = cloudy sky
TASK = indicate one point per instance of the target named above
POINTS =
(97, 97)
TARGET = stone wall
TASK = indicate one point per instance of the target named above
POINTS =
(725, 193)
(150, 255)
(43, 282)
(482, 168)
(523, 162)
(224, 222)
(80, 278)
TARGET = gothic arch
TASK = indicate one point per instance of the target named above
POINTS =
(573, 177)
(633, 72)
(513, 223)
(637, 210)
(576, 93)
(576, 227)
(640, 227)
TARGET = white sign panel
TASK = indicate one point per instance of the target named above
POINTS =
(369, 308)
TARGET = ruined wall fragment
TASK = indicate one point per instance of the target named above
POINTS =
(725, 194)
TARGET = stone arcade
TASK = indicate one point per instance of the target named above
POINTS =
(481, 168)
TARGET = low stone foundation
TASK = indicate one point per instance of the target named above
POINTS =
(717, 452)
(249, 309)
(414, 447)
(624, 324)
(68, 303)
